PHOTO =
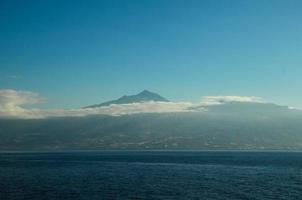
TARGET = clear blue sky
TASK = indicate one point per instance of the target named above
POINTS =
(77, 53)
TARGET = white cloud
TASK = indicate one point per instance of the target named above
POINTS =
(11, 102)
(145, 107)
(117, 109)
(294, 108)
(216, 100)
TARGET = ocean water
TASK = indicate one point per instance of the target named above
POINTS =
(150, 175)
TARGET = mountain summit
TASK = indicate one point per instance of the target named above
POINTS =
(140, 97)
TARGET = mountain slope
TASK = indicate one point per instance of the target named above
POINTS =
(140, 97)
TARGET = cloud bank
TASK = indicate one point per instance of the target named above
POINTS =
(216, 100)
(118, 109)
(12, 104)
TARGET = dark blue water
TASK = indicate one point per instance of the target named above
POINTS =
(151, 175)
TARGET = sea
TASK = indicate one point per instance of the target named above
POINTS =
(97, 175)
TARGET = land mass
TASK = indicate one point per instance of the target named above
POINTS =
(232, 125)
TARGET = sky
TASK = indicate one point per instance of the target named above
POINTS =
(77, 53)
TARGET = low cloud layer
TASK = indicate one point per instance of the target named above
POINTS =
(215, 100)
(12, 104)
(118, 109)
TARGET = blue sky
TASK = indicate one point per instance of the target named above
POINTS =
(77, 53)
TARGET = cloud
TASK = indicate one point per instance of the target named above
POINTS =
(119, 109)
(146, 107)
(294, 108)
(216, 100)
(12, 104)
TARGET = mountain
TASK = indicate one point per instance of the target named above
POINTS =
(233, 126)
(140, 97)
